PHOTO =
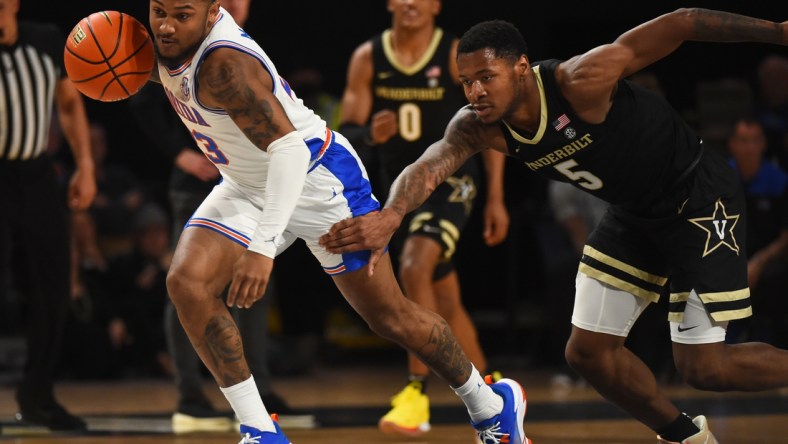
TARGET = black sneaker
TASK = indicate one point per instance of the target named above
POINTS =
(289, 418)
(49, 414)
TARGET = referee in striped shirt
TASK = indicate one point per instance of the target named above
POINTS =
(34, 231)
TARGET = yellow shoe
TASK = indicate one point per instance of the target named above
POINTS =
(703, 437)
(410, 412)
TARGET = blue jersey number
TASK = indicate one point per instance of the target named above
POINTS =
(212, 152)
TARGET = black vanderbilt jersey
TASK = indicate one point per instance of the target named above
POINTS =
(641, 150)
(423, 95)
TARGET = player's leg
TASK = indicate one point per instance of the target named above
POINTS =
(495, 409)
(215, 237)
(706, 362)
(713, 264)
(438, 291)
(41, 267)
(451, 308)
(201, 269)
(410, 407)
(619, 255)
(194, 411)
(337, 189)
(699, 318)
(602, 318)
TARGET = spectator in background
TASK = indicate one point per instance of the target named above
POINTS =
(34, 234)
(137, 292)
(772, 106)
(766, 193)
(119, 197)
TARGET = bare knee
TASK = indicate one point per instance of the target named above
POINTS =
(582, 359)
(181, 287)
(412, 270)
(591, 356)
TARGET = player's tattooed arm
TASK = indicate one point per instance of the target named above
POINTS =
(719, 26)
(655, 39)
(416, 182)
(237, 83)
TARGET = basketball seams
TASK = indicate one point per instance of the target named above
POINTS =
(106, 59)
(130, 73)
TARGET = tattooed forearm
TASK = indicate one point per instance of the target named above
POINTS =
(416, 182)
(718, 26)
(227, 85)
(443, 354)
(223, 342)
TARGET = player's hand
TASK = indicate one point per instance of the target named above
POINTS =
(496, 222)
(197, 165)
(81, 189)
(384, 126)
(251, 274)
(371, 231)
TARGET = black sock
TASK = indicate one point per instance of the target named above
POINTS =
(419, 380)
(681, 428)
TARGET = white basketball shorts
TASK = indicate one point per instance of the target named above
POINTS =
(336, 188)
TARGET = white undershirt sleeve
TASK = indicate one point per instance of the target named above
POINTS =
(286, 175)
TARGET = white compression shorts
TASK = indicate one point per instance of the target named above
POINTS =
(602, 308)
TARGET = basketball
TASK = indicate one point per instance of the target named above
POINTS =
(109, 56)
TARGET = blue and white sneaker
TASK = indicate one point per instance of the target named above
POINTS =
(250, 435)
(507, 426)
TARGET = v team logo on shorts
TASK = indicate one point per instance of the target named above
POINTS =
(719, 229)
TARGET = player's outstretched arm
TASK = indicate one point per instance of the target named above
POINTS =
(411, 188)
(440, 160)
(661, 36)
(588, 80)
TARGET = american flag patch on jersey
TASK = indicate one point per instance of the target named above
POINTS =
(561, 122)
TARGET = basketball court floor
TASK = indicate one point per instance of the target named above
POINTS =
(348, 401)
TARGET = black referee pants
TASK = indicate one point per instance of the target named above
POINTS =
(35, 247)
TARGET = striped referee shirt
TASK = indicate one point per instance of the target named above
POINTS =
(30, 71)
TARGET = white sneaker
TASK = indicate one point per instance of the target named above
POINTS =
(703, 437)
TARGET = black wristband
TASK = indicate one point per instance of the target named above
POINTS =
(358, 135)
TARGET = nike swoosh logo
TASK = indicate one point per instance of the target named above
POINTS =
(385, 75)
(681, 208)
(688, 328)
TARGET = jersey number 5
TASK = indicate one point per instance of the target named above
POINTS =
(583, 178)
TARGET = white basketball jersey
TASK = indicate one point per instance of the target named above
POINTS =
(238, 159)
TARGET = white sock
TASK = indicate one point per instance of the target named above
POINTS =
(481, 401)
(248, 406)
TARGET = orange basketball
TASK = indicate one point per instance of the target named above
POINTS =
(109, 56)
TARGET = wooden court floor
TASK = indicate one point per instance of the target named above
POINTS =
(348, 401)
